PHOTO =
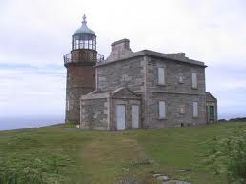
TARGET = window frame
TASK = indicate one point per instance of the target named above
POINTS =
(182, 109)
(162, 114)
(195, 109)
(161, 79)
(181, 79)
(194, 81)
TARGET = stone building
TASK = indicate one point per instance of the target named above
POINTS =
(129, 89)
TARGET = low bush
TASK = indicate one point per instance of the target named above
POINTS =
(228, 156)
(36, 171)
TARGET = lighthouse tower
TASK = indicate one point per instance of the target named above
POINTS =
(80, 70)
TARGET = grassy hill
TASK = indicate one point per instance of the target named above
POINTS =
(63, 154)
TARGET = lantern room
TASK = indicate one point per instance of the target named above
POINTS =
(84, 38)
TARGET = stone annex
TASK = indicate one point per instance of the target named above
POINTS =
(129, 89)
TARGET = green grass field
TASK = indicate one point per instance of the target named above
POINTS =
(62, 154)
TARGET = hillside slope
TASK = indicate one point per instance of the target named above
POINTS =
(64, 154)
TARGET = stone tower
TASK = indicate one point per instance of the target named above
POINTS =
(80, 70)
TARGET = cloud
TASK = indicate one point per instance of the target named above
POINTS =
(35, 35)
(25, 90)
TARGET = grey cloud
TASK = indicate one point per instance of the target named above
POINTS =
(207, 30)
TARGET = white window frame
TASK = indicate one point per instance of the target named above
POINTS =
(195, 109)
(161, 76)
(194, 80)
(162, 110)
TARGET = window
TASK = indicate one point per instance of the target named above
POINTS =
(211, 113)
(195, 109)
(181, 79)
(182, 109)
(162, 109)
(161, 76)
(76, 44)
(194, 80)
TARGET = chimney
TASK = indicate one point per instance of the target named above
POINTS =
(120, 49)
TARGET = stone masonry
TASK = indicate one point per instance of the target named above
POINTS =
(80, 64)
(137, 74)
(98, 109)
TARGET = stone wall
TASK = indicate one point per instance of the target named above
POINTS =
(174, 70)
(73, 103)
(140, 75)
(174, 115)
(98, 110)
(120, 49)
(175, 93)
(80, 80)
(122, 73)
(95, 113)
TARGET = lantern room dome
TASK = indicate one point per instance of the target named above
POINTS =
(84, 28)
(84, 38)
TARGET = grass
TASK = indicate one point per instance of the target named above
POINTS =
(62, 154)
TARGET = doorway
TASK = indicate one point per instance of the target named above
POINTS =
(120, 117)
(135, 116)
(211, 113)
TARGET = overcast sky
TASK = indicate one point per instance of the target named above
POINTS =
(36, 33)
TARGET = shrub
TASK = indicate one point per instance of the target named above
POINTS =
(26, 176)
(243, 119)
(70, 124)
(228, 156)
(46, 170)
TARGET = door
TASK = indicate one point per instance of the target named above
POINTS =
(120, 117)
(135, 116)
(211, 113)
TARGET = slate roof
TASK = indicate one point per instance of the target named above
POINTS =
(180, 57)
(84, 28)
(122, 92)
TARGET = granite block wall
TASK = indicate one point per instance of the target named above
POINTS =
(94, 114)
(122, 73)
(176, 93)
(175, 117)
(173, 71)
(80, 81)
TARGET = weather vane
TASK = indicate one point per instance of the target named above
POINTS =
(84, 19)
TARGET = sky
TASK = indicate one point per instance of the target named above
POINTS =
(34, 35)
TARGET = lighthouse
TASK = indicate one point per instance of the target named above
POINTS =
(80, 64)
